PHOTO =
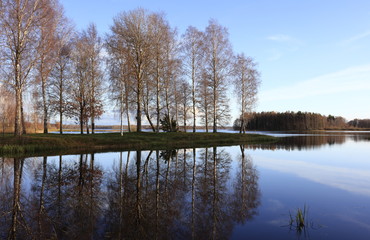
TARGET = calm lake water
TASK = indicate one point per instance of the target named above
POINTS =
(238, 192)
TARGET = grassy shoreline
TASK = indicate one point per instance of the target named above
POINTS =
(54, 144)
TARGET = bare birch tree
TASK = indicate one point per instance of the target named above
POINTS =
(95, 73)
(172, 72)
(246, 82)
(6, 108)
(160, 34)
(185, 99)
(79, 95)
(148, 99)
(86, 98)
(131, 31)
(20, 23)
(204, 95)
(193, 52)
(2, 109)
(218, 65)
(47, 51)
(61, 74)
(120, 80)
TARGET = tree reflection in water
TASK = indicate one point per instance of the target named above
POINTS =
(182, 194)
(246, 192)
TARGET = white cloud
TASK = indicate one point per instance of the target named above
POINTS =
(354, 38)
(274, 55)
(281, 38)
(284, 38)
(285, 43)
(348, 80)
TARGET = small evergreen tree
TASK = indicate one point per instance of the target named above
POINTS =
(168, 124)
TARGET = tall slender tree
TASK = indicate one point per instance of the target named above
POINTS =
(130, 29)
(95, 73)
(6, 108)
(20, 24)
(246, 84)
(86, 103)
(218, 65)
(47, 52)
(193, 56)
(79, 94)
(204, 99)
(61, 80)
(148, 99)
(159, 35)
(172, 73)
(120, 80)
(185, 97)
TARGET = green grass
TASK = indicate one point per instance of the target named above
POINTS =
(42, 144)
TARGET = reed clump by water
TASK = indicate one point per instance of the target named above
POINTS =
(298, 220)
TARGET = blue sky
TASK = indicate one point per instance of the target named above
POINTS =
(313, 55)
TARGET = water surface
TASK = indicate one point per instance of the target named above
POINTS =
(239, 192)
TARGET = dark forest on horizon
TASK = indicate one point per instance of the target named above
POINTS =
(301, 121)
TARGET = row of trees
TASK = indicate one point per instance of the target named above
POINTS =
(274, 121)
(43, 55)
(152, 73)
(156, 74)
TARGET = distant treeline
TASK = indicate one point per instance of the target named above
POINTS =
(360, 123)
(275, 121)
